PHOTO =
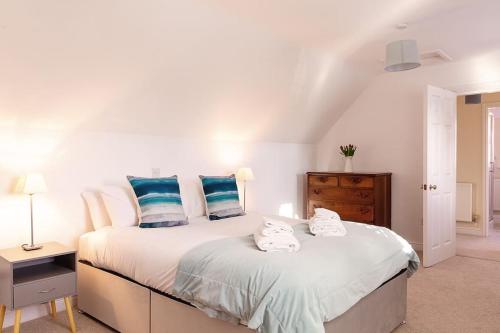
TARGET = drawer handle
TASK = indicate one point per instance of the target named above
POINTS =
(363, 195)
(364, 210)
(46, 291)
(323, 179)
(356, 180)
(316, 191)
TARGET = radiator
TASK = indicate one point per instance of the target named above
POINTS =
(464, 202)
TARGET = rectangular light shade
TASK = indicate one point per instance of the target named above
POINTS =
(32, 183)
(245, 174)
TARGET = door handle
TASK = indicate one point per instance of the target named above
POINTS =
(432, 187)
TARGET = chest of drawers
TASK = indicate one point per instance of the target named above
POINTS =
(358, 197)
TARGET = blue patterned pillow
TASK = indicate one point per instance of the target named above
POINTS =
(159, 202)
(221, 196)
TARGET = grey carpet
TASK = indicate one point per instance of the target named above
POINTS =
(46, 324)
(480, 247)
(460, 295)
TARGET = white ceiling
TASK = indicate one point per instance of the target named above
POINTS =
(270, 70)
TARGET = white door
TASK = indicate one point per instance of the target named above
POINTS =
(439, 183)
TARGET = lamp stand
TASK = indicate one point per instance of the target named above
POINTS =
(32, 246)
(244, 195)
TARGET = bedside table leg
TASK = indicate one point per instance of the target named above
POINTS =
(69, 312)
(17, 322)
(53, 309)
(2, 316)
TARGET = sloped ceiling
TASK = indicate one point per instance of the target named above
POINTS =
(281, 71)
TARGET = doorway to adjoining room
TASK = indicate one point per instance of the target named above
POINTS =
(478, 176)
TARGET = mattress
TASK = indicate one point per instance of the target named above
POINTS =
(151, 256)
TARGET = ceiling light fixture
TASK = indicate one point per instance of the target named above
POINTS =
(401, 55)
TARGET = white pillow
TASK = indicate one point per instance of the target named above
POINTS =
(120, 206)
(193, 199)
(97, 211)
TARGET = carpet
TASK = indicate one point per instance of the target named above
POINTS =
(480, 247)
(459, 295)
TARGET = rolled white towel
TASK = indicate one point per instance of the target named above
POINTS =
(326, 223)
(333, 229)
(278, 225)
(321, 221)
(279, 243)
(271, 231)
(326, 213)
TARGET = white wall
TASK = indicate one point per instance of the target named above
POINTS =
(86, 160)
(385, 122)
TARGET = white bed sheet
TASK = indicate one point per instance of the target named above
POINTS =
(151, 256)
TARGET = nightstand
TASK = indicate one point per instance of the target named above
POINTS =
(35, 277)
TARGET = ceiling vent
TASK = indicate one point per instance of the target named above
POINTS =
(473, 99)
(435, 57)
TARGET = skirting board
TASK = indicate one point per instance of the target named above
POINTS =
(469, 231)
(130, 307)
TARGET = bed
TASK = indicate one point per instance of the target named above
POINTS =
(127, 277)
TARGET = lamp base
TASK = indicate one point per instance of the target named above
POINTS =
(27, 247)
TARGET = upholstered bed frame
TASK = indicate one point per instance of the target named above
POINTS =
(130, 307)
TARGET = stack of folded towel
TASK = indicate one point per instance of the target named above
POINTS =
(276, 236)
(326, 223)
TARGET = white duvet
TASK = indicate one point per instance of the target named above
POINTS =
(151, 256)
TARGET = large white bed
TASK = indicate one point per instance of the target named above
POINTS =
(151, 256)
(119, 266)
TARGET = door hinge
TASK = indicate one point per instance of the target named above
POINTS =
(423, 187)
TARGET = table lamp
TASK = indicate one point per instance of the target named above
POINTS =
(30, 184)
(244, 175)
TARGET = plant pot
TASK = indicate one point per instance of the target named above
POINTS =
(348, 164)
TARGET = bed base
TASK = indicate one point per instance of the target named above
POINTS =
(130, 307)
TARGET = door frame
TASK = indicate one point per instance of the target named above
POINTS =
(485, 169)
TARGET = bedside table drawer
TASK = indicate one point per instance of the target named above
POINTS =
(42, 291)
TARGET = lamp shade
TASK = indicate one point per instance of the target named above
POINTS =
(245, 174)
(33, 183)
(401, 55)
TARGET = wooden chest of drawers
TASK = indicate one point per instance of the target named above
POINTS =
(358, 197)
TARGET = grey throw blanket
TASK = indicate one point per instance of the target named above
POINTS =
(231, 279)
